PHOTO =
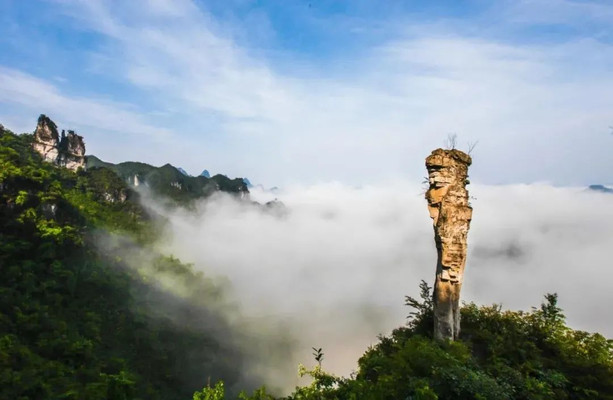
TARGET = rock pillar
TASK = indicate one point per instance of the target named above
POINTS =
(451, 214)
(46, 139)
(67, 151)
(72, 155)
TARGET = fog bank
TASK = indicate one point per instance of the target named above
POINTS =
(332, 268)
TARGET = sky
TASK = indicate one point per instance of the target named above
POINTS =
(311, 91)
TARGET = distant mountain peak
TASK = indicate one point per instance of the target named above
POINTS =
(170, 181)
(600, 188)
(205, 173)
(184, 172)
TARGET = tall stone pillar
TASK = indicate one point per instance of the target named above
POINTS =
(46, 139)
(451, 214)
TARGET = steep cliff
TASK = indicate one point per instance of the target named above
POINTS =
(66, 151)
(46, 139)
(451, 214)
(72, 151)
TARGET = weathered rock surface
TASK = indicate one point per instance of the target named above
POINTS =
(66, 151)
(72, 151)
(451, 214)
(46, 139)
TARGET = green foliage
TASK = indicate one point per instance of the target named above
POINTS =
(217, 392)
(258, 394)
(77, 322)
(501, 355)
(323, 385)
(421, 319)
(168, 182)
(538, 354)
(319, 355)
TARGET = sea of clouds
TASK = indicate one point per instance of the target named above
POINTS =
(331, 267)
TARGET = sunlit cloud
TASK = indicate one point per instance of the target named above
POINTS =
(336, 264)
(33, 94)
(531, 105)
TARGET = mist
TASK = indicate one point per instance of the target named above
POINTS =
(331, 268)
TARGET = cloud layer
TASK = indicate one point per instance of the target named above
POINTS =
(334, 267)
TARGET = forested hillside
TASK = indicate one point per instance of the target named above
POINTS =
(169, 182)
(76, 322)
(500, 355)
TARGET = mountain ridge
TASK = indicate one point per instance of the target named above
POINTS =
(169, 181)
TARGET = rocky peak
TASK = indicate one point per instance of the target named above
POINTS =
(67, 151)
(451, 214)
(46, 130)
(46, 139)
(72, 151)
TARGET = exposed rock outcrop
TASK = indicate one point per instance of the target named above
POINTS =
(46, 139)
(72, 151)
(451, 214)
(66, 151)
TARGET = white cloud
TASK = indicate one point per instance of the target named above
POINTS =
(361, 117)
(337, 266)
(41, 96)
(392, 104)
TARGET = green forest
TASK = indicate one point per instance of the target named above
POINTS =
(76, 322)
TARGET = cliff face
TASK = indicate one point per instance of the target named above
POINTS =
(72, 154)
(46, 139)
(451, 214)
(67, 151)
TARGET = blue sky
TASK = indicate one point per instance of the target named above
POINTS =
(308, 91)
